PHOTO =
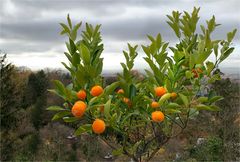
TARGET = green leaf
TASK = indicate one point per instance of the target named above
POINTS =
(54, 91)
(203, 56)
(215, 108)
(202, 99)
(117, 152)
(70, 119)
(215, 47)
(164, 98)
(210, 67)
(170, 74)
(107, 107)
(191, 61)
(214, 78)
(74, 31)
(93, 100)
(84, 53)
(205, 107)
(55, 108)
(110, 88)
(61, 115)
(135, 113)
(68, 93)
(71, 47)
(67, 67)
(173, 105)
(226, 54)
(146, 50)
(68, 56)
(65, 28)
(172, 111)
(113, 119)
(82, 129)
(133, 91)
(188, 74)
(215, 99)
(231, 35)
(69, 21)
(184, 99)
(75, 59)
(60, 88)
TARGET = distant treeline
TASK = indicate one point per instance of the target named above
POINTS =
(27, 133)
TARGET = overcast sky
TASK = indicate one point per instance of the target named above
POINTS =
(30, 29)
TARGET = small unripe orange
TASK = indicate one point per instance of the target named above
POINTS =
(96, 90)
(155, 104)
(160, 91)
(81, 95)
(173, 95)
(157, 116)
(98, 126)
(120, 91)
(78, 109)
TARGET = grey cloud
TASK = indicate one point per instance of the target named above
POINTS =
(35, 33)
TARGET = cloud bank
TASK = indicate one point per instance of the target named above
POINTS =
(29, 30)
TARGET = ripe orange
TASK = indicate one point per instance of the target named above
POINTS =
(155, 104)
(120, 91)
(160, 91)
(195, 74)
(157, 116)
(96, 90)
(127, 101)
(98, 126)
(173, 95)
(81, 95)
(78, 109)
(199, 70)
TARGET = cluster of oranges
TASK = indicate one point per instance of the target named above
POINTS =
(196, 72)
(79, 108)
(158, 116)
(98, 126)
(125, 99)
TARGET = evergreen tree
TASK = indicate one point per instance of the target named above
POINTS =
(8, 106)
(38, 84)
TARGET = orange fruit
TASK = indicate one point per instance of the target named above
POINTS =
(157, 116)
(173, 95)
(127, 101)
(98, 126)
(199, 70)
(96, 90)
(78, 109)
(160, 91)
(155, 104)
(195, 74)
(120, 91)
(81, 95)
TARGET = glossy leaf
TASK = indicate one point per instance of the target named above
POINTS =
(61, 115)
(55, 108)
(83, 129)
(107, 108)
(184, 99)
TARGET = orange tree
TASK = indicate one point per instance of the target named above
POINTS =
(137, 116)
